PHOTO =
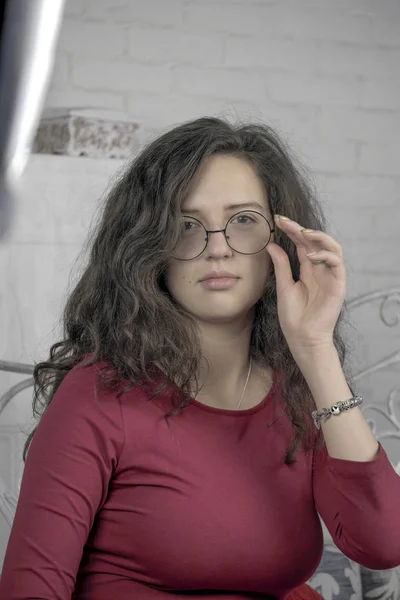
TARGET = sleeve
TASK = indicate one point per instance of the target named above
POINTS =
(69, 465)
(359, 503)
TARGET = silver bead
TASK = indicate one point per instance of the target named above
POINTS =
(335, 409)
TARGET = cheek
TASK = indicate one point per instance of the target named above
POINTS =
(178, 278)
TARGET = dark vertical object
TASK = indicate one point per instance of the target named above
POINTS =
(29, 32)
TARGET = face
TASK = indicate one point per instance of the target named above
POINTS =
(225, 185)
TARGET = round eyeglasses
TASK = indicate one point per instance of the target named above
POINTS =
(246, 232)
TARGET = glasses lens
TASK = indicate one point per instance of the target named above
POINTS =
(193, 239)
(248, 232)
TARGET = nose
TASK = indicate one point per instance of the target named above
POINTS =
(217, 246)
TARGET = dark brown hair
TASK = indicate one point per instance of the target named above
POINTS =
(120, 311)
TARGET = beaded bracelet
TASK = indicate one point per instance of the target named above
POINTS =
(335, 409)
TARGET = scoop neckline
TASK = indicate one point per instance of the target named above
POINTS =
(232, 412)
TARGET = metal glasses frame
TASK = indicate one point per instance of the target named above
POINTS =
(208, 231)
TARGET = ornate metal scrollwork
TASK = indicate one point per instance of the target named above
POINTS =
(388, 299)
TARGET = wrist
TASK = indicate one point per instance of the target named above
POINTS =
(325, 377)
(314, 355)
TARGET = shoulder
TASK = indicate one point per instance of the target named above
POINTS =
(81, 424)
(81, 400)
(86, 391)
(83, 386)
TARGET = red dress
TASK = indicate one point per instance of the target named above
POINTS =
(116, 503)
(304, 592)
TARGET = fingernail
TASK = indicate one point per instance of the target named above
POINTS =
(281, 217)
(307, 230)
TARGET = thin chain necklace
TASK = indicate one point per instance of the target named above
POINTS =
(245, 385)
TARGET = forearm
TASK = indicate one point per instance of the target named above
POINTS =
(348, 435)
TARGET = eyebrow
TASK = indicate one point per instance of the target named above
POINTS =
(228, 207)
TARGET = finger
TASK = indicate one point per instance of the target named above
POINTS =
(307, 237)
(293, 231)
(282, 268)
(330, 259)
(325, 240)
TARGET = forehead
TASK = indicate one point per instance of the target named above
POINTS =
(226, 183)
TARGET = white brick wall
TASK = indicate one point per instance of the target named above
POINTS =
(326, 74)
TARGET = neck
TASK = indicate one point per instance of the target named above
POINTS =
(225, 350)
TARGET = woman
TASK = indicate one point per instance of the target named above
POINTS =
(177, 455)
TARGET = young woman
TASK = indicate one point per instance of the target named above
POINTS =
(177, 455)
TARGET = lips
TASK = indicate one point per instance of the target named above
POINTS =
(219, 275)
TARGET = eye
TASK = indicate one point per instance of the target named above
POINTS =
(190, 226)
(244, 219)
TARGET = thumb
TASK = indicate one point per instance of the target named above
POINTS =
(282, 268)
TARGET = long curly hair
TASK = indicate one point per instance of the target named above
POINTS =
(120, 312)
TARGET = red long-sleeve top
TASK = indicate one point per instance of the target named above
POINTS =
(114, 504)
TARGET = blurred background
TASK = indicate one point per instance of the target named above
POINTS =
(325, 74)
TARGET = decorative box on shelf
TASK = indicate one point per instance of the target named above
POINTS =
(91, 132)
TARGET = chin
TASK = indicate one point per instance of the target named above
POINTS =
(221, 312)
